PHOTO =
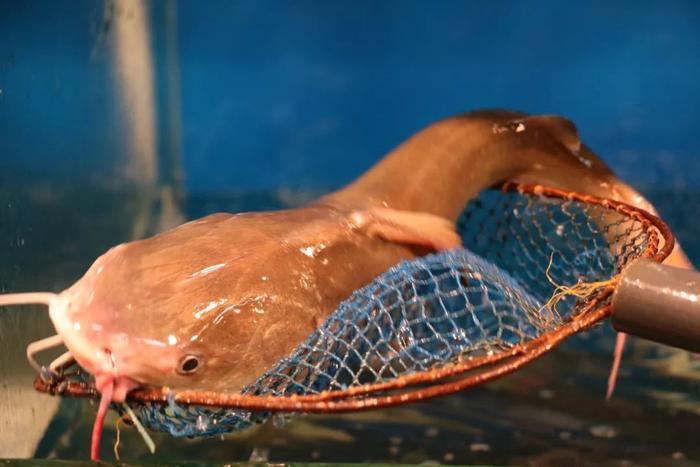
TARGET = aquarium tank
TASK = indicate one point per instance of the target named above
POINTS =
(120, 119)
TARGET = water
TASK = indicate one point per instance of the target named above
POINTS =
(551, 412)
(307, 95)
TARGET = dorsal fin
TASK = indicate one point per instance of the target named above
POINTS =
(560, 128)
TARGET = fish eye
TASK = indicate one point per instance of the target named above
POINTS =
(188, 365)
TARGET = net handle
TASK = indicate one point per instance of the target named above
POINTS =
(660, 303)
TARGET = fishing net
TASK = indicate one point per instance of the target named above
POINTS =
(537, 266)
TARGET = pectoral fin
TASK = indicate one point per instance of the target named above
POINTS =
(407, 227)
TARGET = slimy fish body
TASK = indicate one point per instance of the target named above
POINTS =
(215, 302)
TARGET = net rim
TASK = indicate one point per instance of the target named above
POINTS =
(463, 374)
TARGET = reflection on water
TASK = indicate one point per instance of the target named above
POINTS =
(551, 412)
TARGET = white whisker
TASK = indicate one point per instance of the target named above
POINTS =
(40, 298)
(39, 346)
(60, 361)
(139, 427)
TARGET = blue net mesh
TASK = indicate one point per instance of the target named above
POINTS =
(438, 309)
(419, 315)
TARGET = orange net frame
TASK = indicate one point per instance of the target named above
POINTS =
(524, 246)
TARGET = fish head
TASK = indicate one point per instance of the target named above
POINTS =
(187, 310)
(114, 323)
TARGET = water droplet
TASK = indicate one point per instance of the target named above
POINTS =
(603, 431)
(479, 447)
(259, 455)
(496, 129)
(280, 420)
(202, 423)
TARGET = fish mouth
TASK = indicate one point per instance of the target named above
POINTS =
(118, 386)
(114, 388)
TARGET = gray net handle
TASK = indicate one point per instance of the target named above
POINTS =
(660, 303)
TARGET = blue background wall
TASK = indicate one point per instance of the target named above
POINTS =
(307, 95)
(310, 93)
